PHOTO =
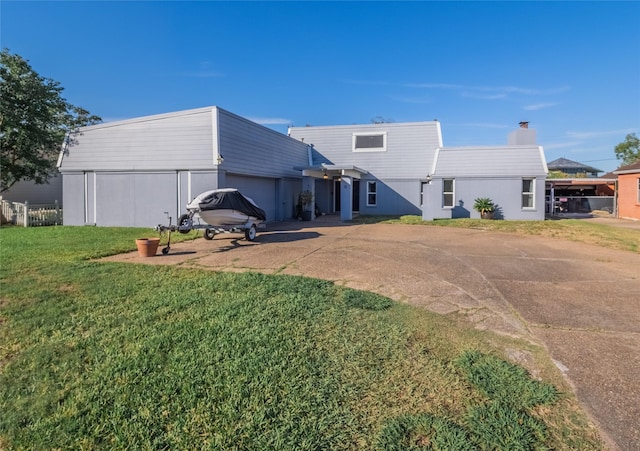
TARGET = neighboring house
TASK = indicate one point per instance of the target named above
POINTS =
(573, 168)
(129, 173)
(403, 168)
(575, 188)
(629, 191)
(28, 191)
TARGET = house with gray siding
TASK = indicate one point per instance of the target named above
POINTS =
(512, 176)
(129, 173)
(404, 169)
(371, 169)
(139, 171)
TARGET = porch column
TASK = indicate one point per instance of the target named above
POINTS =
(346, 198)
(309, 184)
(427, 207)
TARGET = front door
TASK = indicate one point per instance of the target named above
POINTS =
(355, 200)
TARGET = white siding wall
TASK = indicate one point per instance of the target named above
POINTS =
(181, 140)
(506, 192)
(410, 147)
(394, 197)
(73, 198)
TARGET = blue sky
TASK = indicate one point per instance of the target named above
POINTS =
(572, 69)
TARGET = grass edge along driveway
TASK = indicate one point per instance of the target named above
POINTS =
(109, 355)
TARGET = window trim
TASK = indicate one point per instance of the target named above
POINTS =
(638, 190)
(452, 192)
(531, 193)
(374, 193)
(369, 149)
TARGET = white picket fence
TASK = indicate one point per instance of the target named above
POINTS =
(31, 215)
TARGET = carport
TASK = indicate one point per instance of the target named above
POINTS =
(580, 195)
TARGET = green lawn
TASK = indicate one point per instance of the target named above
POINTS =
(102, 355)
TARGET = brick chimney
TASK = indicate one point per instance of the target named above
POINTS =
(524, 124)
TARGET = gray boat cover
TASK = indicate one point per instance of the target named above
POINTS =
(231, 199)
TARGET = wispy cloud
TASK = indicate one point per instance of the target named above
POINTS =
(539, 106)
(270, 120)
(369, 82)
(474, 95)
(495, 91)
(471, 91)
(203, 74)
(417, 100)
(204, 71)
(481, 125)
(598, 134)
(561, 145)
(433, 85)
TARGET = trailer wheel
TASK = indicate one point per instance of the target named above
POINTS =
(209, 233)
(184, 221)
(250, 233)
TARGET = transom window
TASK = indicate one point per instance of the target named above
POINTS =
(370, 142)
(372, 194)
(448, 192)
(528, 193)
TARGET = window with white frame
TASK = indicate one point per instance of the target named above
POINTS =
(372, 194)
(370, 142)
(448, 192)
(528, 193)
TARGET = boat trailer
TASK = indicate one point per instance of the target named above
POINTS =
(186, 224)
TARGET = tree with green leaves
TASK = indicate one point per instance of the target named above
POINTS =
(628, 151)
(34, 120)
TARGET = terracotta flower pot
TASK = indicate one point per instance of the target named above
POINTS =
(147, 247)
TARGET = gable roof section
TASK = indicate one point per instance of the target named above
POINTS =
(504, 161)
(561, 164)
(632, 168)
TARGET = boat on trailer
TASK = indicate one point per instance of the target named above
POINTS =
(225, 207)
(223, 211)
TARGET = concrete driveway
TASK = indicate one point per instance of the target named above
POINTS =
(581, 301)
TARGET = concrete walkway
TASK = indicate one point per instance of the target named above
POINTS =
(582, 302)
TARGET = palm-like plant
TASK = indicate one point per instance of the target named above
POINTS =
(484, 206)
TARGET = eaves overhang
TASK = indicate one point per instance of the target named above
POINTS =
(326, 171)
(581, 181)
